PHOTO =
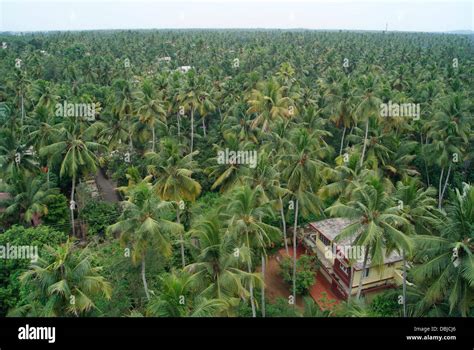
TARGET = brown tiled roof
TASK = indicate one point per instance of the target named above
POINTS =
(330, 227)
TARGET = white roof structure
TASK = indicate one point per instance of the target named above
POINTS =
(184, 69)
(331, 228)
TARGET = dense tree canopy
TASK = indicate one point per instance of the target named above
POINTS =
(223, 144)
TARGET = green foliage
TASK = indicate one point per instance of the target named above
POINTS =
(279, 308)
(10, 269)
(386, 305)
(305, 272)
(58, 212)
(125, 278)
(62, 282)
(296, 112)
(98, 216)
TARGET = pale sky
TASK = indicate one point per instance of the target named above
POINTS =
(401, 15)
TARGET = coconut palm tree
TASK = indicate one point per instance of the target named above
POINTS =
(244, 214)
(341, 106)
(15, 158)
(43, 95)
(143, 227)
(20, 86)
(447, 260)
(62, 282)
(28, 198)
(123, 101)
(42, 132)
(150, 109)
(190, 98)
(75, 152)
(343, 179)
(369, 107)
(227, 175)
(174, 180)
(217, 269)
(268, 104)
(417, 205)
(266, 177)
(375, 223)
(450, 131)
(177, 298)
(301, 167)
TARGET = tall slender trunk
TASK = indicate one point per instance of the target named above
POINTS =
(263, 283)
(427, 174)
(404, 285)
(71, 207)
(145, 285)
(445, 185)
(283, 221)
(183, 261)
(439, 187)
(342, 140)
(249, 268)
(130, 142)
(294, 252)
(204, 126)
(192, 131)
(364, 265)
(365, 141)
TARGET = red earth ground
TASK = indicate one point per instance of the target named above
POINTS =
(276, 287)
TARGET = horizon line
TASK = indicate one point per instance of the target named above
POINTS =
(455, 31)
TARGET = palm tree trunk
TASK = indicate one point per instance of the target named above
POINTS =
(204, 126)
(342, 140)
(404, 285)
(439, 187)
(352, 130)
(145, 285)
(445, 185)
(130, 142)
(364, 265)
(249, 268)
(192, 130)
(427, 173)
(71, 208)
(183, 260)
(294, 252)
(283, 221)
(365, 141)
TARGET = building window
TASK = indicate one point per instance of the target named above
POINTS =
(366, 272)
(323, 239)
(344, 269)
